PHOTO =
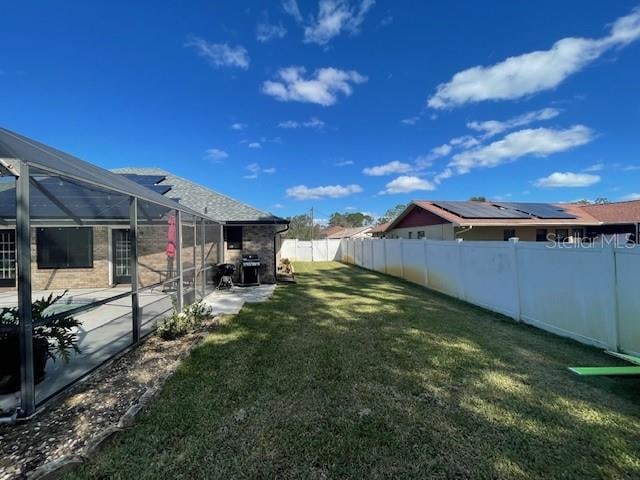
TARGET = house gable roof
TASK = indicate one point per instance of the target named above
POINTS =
(582, 217)
(350, 232)
(215, 205)
(617, 212)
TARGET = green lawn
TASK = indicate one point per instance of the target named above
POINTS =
(352, 374)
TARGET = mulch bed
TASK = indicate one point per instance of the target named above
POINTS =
(91, 406)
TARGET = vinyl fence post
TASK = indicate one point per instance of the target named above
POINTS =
(513, 244)
(327, 243)
(463, 293)
(401, 258)
(373, 263)
(295, 250)
(384, 254)
(426, 263)
(610, 259)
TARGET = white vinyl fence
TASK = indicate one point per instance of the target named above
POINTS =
(589, 294)
(324, 250)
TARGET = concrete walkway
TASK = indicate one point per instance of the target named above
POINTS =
(232, 301)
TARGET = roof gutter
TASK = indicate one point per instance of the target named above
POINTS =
(275, 254)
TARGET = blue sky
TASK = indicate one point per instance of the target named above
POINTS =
(334, 104)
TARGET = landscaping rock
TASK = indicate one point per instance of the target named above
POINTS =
(99, 406)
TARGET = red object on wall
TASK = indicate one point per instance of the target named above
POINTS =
(419, 217)
(171, 236)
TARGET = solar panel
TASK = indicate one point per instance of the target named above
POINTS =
(540, 210)
(480, 210)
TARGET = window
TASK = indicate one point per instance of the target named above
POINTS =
(562, 234)
(233, 237)
(577, 234)
(7, 258)
(65, 247)
(421, 234)
(541, 235)
(410, 234)
(509, 233)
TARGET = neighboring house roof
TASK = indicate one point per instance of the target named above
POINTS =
(325, 232)
(499, 213)
(49, 159)
(202, 199)
(617, 212)
(350, 232)
(380, 228)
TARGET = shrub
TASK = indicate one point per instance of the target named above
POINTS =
(179, 324)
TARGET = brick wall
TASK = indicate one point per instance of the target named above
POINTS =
(256, 239)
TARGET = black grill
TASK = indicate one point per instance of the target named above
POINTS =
(250, 269)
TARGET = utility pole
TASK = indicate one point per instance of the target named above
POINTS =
(311, 237)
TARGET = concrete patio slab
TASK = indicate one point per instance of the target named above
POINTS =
(232, 301)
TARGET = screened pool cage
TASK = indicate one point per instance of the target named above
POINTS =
(90, 262)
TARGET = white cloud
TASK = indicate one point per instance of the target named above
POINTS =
(465, 141)
(596, 167)
(302, 192)
(631, 196)
(220, 54)
(491, 128)
(408, 183)
(539, 142)
(277, 206)
(411, 120)
(333, 18)
(266, 31)
(567, 179)
(255, 170)
(291, 7)
(344, 163)
(254, 145)
(322, 88)
(387, 169)
(313, 122)
(216, 154)
(238, 126)
(533, 72)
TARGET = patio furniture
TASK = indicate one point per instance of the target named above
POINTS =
(611, 371)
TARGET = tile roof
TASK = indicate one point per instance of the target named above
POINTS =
(617, 212)
(217, 206)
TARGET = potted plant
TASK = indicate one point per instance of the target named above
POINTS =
(53, 338)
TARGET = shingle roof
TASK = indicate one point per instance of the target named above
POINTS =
(618, 212)
(349, 232)
(204, 200)
(381, 228)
